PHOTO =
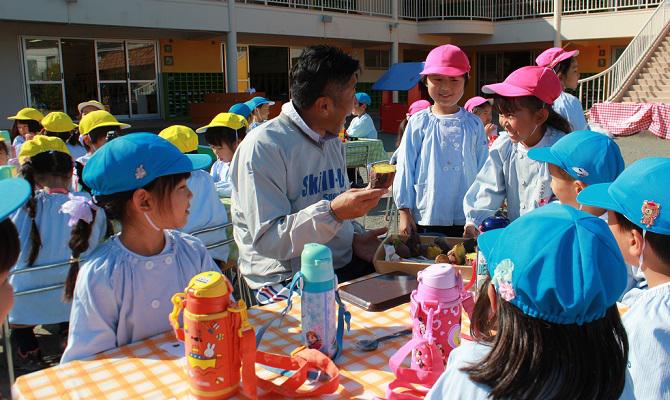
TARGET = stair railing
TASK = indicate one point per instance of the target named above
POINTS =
(606, 85)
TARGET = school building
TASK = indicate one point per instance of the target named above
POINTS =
(150, 59)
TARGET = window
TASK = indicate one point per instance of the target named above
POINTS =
(377, 59)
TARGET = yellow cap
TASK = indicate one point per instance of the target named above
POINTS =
(96, 119)
(181, 136)
(227, 120)
(41, 144)
(58, 122)
(28, 113)
(209, 284)
(92, 103)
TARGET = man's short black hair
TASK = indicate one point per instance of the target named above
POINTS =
(316, 68)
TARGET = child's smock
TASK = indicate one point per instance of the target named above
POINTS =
(220, 172)
(647, 324)
(122, 297)
(437, 161)
(569, 107)
(509, 174)
(76, 151)
(47, 307)
(362, 127)
(206, 211)
(456, 384)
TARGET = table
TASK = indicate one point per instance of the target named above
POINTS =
(626, 119)
(153, 368)
(364, 151)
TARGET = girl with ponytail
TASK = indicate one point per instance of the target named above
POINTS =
(45, 224)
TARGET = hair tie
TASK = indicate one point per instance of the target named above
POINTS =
(78, 208)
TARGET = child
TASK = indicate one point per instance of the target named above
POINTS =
(43, 231)
(260, 111)
(4, 152)
(361, 126)
(240, 109)
(124, 289)
(637, 203)
(206, 210)
(89, 106)
(224, 134)
(413, 109)
(15, 192)
(524, 101)
(578, 160)
(97, 128)
(60, 125)
(26, 126)
(483, 108)
(564, 63)
(441, 152)
(546, 324)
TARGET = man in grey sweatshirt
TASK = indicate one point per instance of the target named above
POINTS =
(290, 183)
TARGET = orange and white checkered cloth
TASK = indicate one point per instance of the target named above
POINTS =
(625, 119)
(153, 368)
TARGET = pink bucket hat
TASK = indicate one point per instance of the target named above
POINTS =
(476, 102)
(551, 57)
(540, 82)
(417, 106)
(447, 60)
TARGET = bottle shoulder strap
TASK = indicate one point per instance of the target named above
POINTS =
(293, 287)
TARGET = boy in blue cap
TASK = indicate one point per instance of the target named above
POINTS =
(362, 126)
(578, 160)
(260, 111)
(545, 324)
(241, 109)
(637, 203)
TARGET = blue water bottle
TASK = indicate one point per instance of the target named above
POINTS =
(318, 302)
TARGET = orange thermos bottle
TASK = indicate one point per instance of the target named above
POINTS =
(217, 336)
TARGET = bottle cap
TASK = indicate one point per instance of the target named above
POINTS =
(438, 276)
(317, 263)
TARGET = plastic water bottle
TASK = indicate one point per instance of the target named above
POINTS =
(318, 305)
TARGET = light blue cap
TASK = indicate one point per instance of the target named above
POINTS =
(316, 263)
(240, 109)
(134, 160)
(15, 193)
(557, 264)
(257, 102)
(641, 193)
(587, 156)
(363, 98)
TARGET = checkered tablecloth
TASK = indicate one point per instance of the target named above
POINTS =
(375, 151)
(153, 368)
(625, 119)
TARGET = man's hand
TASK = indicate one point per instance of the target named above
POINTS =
(366, 244)
(355, 203)
(470, 232)
(407, 225)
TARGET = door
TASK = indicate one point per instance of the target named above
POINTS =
(142, 80)
(79, 74)
(268, 71)
(44, 74)
(113, 77)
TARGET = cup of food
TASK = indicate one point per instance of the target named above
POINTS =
(381, 175)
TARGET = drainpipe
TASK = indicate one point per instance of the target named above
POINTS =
(231, 49)
(395, 44)
(558, 8)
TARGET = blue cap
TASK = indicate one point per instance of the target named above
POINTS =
(640, 193)
(240, 109)
(587, 156)
(257, 102)
(133, 161)
(363, 98)
(568, 270)
(15, 193)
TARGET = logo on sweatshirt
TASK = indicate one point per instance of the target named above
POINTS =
(330, 183)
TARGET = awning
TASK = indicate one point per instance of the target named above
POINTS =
(401, 76)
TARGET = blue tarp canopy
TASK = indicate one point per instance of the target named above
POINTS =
(401, 76)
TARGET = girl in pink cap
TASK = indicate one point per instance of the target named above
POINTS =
(413, 109)
(524, 102)
(564, 64)
(483, 108)
(441, 152)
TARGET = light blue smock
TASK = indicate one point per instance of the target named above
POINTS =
(509, 174)
(76, 150)
(47, 307)
(362, 127)
(207, 211)
(457, 385)
(569, 107)
(122, 297)
(220, 172)
(437, 161)
(647, 324)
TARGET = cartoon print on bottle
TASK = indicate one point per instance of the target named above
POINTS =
(313, 341)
